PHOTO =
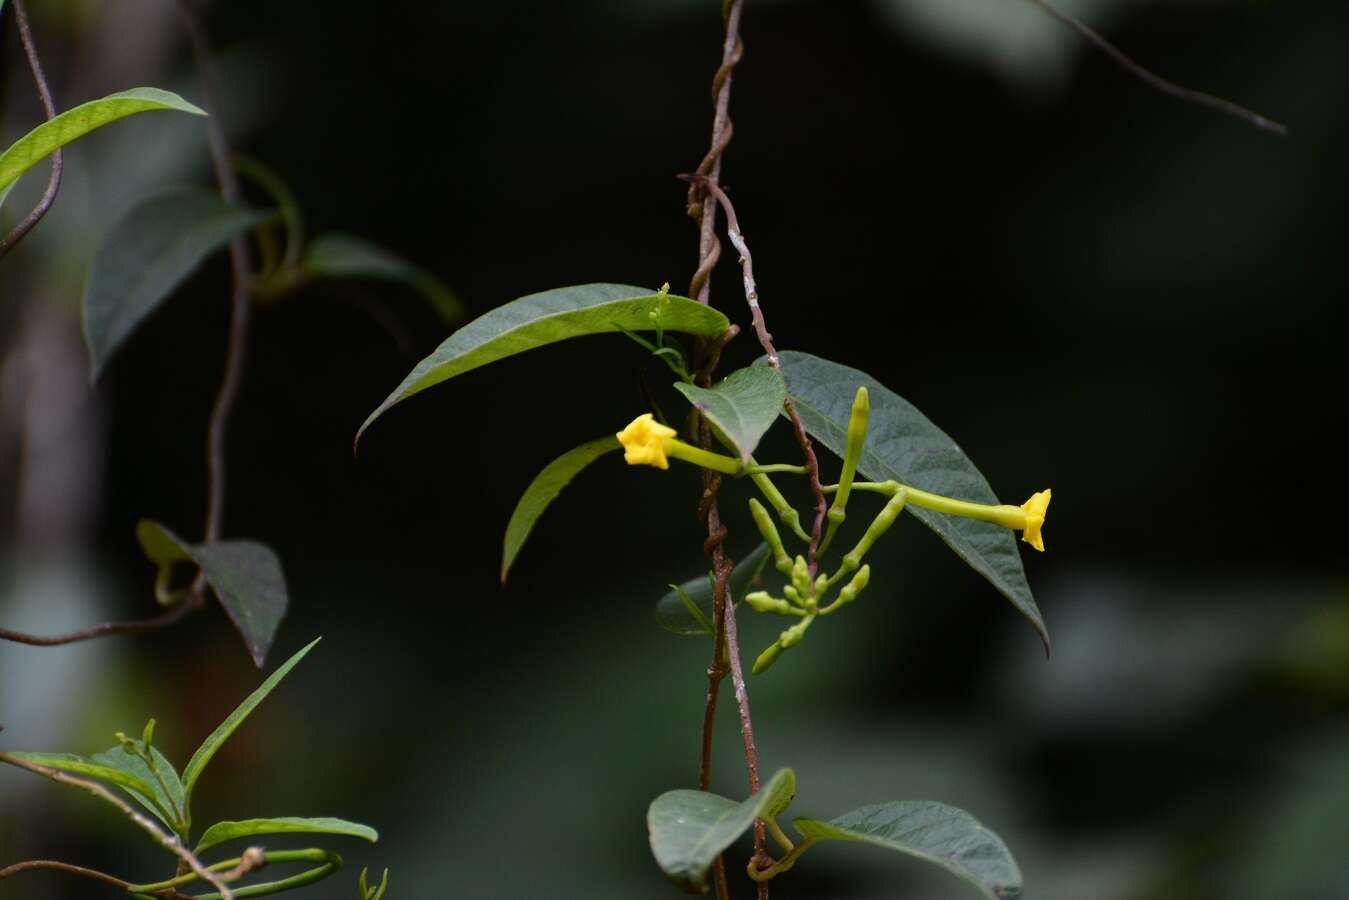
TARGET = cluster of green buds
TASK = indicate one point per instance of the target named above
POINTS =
(805, 596)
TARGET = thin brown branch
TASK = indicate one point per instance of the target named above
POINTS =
(164, 620)
(1156, 82)
(38, 865)
(168, 842)
(11, 240)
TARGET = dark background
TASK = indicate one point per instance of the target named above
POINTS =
(1089, 286)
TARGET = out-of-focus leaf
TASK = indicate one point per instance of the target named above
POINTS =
(74, 124)
(543, 490)
(197, 764)
(116, 766)
(556, 315)
(935, 832)
(742, 406)
(221, 832)
(146, 255)
(673, 613)
(903, 445)
(690, 828)
(348, 256)
(245, 575)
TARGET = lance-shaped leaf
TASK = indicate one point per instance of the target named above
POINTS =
(543, 490)
(163, 796)
(348, 256)
(146, 255)
(903, 445)
(935, 832)
(197, 764)
(741, 407)
(687, 609)
(221, 832)
(74, 124)
(245, 575)
(689, 829)
(556, 315)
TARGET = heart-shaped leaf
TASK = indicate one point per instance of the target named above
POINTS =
(146, 255)
(903, 445)
(197, 764)
(348, 256)
(556, 315)
(741, 407)
(543, 490)
(74, 124)
(221, 832)
(935, 832)
(245, 575)
(687, 609)
(689, 829)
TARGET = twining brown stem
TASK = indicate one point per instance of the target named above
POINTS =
(37, 865)
(241, 268)
(726, 650)
(20, 231)
(737, 239)
(168, 842)
(1171, 89)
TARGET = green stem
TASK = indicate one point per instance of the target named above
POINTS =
(774, 467)
(330, 863)
(781, 865)
(700, 457)
(1006, 515)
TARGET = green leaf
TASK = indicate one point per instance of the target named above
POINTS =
(74, 124)
(127, 771)
(673, 614)
(146, 255)
(903, 445)
(221, 832)
(245, 575)
(690, 828)
(556, 315)
(935, 832)
(543, 490)
(348, 256)
(208, 748)
(742, 406)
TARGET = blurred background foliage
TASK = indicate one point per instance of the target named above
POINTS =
(1089, 286)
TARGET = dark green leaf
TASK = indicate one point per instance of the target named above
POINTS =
(129, 772)
(673, 614)
(543, 490)
(551, 316)
(146, 255)
(74, 124)
(741, 407)
(347, 256)
(208, 748)
(690, 828)
(903, 445)
(221, 832)
(245, 575)
(935, 832)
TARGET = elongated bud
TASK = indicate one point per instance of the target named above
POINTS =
(767, 658)
(856, 586)
(852, 455)
(879, 526)
(762, 601)
(764, 522)
(786, 512)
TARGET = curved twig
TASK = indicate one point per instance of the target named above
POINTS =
(20, 231)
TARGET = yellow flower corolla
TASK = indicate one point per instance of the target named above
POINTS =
(1035, 509)
(644, 442)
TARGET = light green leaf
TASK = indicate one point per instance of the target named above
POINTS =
(348, 256)
(127, 771)
(690, 828)
(208, 748)
(556, 315)
(741, 407)
(543, 490)
(74, 124)
(935, 832)
(903, 445)
(221, 832)
(245, 575)
(146, 255)
(673, 614)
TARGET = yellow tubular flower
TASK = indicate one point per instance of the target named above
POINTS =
(1035, 509)
(644, 442)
